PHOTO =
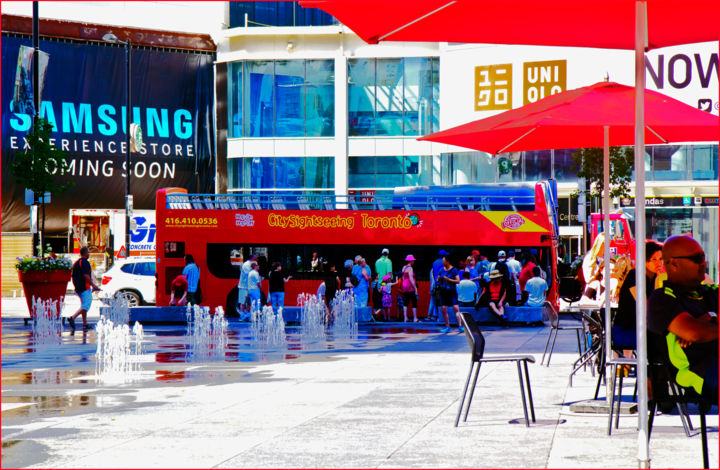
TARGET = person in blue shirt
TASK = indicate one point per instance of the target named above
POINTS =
(535, 289)
(361, 290)
(192, 274)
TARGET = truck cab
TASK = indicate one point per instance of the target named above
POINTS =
(622, 242)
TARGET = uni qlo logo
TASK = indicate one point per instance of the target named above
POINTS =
(493, 87)
(513, 221)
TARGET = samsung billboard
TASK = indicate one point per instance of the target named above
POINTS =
(84, 97)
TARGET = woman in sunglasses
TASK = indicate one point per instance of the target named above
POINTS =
(623, 329)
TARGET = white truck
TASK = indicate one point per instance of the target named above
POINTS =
(103, 232)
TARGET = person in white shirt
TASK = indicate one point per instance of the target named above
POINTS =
(514, 267)
(536, 289)
(254, 284)
(467, 291)
(243, 283)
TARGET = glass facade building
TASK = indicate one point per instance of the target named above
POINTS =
(393, 96)
(269, 13)
(281, 98)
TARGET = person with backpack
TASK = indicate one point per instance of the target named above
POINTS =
(409, 288)
(83, 282)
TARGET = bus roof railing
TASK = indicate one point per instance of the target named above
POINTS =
(280, 201)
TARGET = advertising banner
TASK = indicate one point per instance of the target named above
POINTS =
(84, 96)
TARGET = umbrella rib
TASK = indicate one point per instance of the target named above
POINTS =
(664, 141)
(514, 141)
(382, 38)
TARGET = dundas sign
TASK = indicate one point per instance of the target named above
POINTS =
(84, 97)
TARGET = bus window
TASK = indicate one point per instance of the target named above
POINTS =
(174, 249)
(617, 233)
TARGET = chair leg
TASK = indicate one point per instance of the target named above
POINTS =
(612, 397)
(703, 431)
(577, 332)
(651, 416)
(529, 391)
(462, 399)
(597, 387)
(546, 345)
(682, 409)
(522, 393)
(636, 386)
(472, 392)
(619, 402)
(551, 349)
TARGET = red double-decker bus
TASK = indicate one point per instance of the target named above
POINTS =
(220, 230)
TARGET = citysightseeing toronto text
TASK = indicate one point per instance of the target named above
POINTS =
(317, 221)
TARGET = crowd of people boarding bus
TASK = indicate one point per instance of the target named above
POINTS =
(467, 279)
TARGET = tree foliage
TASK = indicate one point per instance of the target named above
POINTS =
(40, 166)
(590, 166)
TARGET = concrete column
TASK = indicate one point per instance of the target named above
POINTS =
(341, 123)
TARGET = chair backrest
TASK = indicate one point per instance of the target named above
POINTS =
(475, 338)
(551, 315)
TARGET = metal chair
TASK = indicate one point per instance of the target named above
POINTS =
(614, 364)
(476, 341)
(681, 396)
(555, 327)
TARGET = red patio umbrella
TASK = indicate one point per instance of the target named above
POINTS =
(576, 118)
(592, 116)
(608, 24)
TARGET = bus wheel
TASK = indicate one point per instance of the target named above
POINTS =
(231, 306)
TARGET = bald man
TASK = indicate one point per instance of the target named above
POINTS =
(684, 313)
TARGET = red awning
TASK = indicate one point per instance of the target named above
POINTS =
(605, 24)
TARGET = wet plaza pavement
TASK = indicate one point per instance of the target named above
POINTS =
(385, 397)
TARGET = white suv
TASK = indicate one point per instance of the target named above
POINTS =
(134, 277)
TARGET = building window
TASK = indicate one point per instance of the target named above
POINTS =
(281, 173)
(276, 14)
(670, 162)
(564, 167)
(393, 97)
(538, 165)
(283, 98)
(705, 162)
(391, 172)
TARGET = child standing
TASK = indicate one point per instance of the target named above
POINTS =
(376, 287)
(387, 295)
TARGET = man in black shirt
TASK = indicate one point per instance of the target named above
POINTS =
(684, 313)
(277, 286)
(83, 281)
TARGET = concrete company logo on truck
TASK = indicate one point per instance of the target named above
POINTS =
(143, 238)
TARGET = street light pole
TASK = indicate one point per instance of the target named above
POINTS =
(111, 38)
(128, 170)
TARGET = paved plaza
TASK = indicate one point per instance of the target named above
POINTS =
(386, 398)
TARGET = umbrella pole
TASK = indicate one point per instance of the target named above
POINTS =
(606, 255)
(640, 232)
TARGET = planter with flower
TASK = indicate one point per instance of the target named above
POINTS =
(44, 277)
